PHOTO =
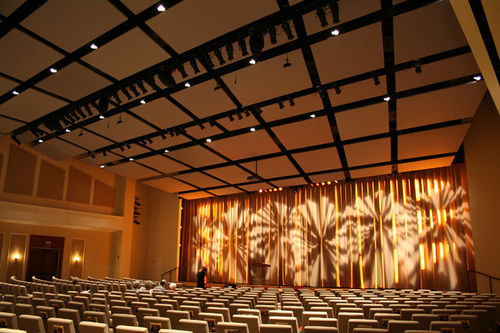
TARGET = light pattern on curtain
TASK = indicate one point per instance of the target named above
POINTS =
(405, 231)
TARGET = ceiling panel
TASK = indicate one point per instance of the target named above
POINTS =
(74, 82)
(305, 133)
(196, 156)
(162, 113)
(226, 191)
(129, 127)
(348, 54)
(443, 140)
(87, 140)
(99, 159)
(332, 176)
(207, 132)
(169, 184)
(30, 105)
(8, 7)
(195, 195)
(302, 105)
(7, 125)
(199, 179)
(358, 91)
(132, 170)
(127, 54)
(373, 119)
(368, 152)
(132, 151)
(273, 167)
(202, 100)
(297, 181)
(442, 105)
(255, 187)
(245, 145)
(238, 123)
(205, 20)
(278, 80)
(318, 160)
(163, 164)
(71, 23)
(6, 85)
(370, 172)
(231, 174)
(430, 29)
(426, 164)
(58, 149)
(168, 142)
(17, 60)
(137, 6)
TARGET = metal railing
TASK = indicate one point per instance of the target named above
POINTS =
(490, 278)
(169, 272)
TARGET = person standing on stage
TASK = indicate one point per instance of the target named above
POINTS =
(201, 277)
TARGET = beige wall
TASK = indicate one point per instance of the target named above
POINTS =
(482, 159)
(155, 242)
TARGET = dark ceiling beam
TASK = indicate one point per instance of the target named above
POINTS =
(469, 79)
(276, 18)
(358, 167)
(21, 13)
(411, 130)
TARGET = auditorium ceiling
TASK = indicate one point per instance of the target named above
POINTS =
(209, 98)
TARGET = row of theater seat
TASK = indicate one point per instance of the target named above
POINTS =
(260, 310)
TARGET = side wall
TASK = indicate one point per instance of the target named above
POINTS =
(482, 159)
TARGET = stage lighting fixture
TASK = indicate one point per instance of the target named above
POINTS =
(187, 84)
(81, 133)
(160, 8)
(257, 109)
(247, 113)
(230, 51)
(15, 92)
(171, 133)
(119, 120)
(181, 70)
(141, 86)
(128, 146)
(238, 114)
(286, 28)
(217, 87)
(134, 90)
(208, 59)
(92, 154)
(151, 81)
(165, 77)
(150, 141)
(102, 166)
(163, 136)
(287, 63)
(256, 42)
(252, 129)
(87, 108)
(104, 153)
(376, 81)
(212, 122)
(16, 140)
(335, 32)
(142, 101)
(200, 123)
(53, 70)
(243, 46)
(121, 148)
(337, 89)
(67, 130)
(131, 159)
(387, 98)
(272, 34)
(478, 77)
(290, 100)
(219, 56)
(208, 140)
(252, 61)
(418, 66)
(80, 112)
(126, 93)
(334, 7)
(280, 103)
(93, 46)
(166, 151)
(320, 13)
(101, 117)
(194, 65)
(231, 118)
(312, 115)
(116, 97)
(74, 114)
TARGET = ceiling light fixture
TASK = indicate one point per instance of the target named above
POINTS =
(128, 146)
(15, 92)
(165, 77)
(272, 34)
(194, 65)
(334, 7)
(166, 150)
(67, 130)
(290, 100)
(335, 32)
(219, 56)
(93, 46)
(160, 8)
(320, 13)
(337, 89)
(286, 28)
(53, 70)
(252, 129)
(187, 85)
(131, 159)
(101, 117)
(181, 70)
(208, 140)
(312, 115)
(143, 102)
(40, 140)
(252, 61)
(243, 46)
(287, 63)
(231, 118)
(375, 78)
(387, 98)
(102, 166)
(256, 42)
(478, 77)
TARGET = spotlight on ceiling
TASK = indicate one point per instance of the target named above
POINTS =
(231, 118)
(128, 146)
(387, 98)
(290, 100)
(104, 153)
(93, 46)
(418, 66)
(67, 130)
(81, 133)
(334, 7)
(219, 56)
(165, 77)
(272, 34)
(286, 28)
(335, 32)
(230, 51)
(141, 86)
(337, 89)
(53, 70)
(312, 115)
(102, 166)
(256, 42)
(280, 103)
(252, 61)
(187, 84)
(320, 13)
(478, 77)
(376, 81)
(119, 120)
(208, 140)
(160, 8)
(194, 65)
(287, 63)
(243, 46)
(142, 102)
(181, 70)
(102, 105)
(101, 117)
(238, 114)
(15, 92)
(208, 59)
(252, 129)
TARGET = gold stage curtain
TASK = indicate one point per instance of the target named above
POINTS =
(409, 230)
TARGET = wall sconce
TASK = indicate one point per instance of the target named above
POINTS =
(76, 259)
(16, 257)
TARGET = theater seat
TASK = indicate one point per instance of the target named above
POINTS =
(124, 320)
(272, 328)
(319, 329)
(60, 325)
(195, 326)
(8, 320)
(130, 329)
(252, 321)
(223, 327)
(31, 323)
(154, 323)
(92, 327)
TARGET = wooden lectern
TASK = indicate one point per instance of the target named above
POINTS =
(259, 272)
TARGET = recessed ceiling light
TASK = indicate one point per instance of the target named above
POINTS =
(15, 92)
(101, 117)
(209, 140)
(252, 61)
(40, 140)
(336, 181)
(312, 115)
(478, 77)
(260, 191)
(131, 159)
(166, 150)
(335, 32)
(160, 8)
(187, 85)
(93, 46)
(67, 130)
(387, 98)
(102, 166)
(252, 129)
(143, 101)
(53, 70)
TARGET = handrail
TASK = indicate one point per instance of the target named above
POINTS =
(490, 278)
(169, 272)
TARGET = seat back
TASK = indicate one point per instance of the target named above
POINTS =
(124, 320)
(96, 317)
(79, 306)
(163, 308)
(21, 308)
(281, 320)
(383, 318)
(195, 326)
(273, 328)
(143, 312)
(31, 323)
(233, 308)
(7, 307)
(446, 326)
(154, 323)
(211, 318)
(362, 323)
(8, 320)
(424, 320)
(319, 329)
(470, 323)
(252, 321)
(298, 312)
(310, 314)
(400, 326)
(72, 314)
(175, 316)
(92, 327)
(327, 322)
(224, 327)
(223, 311)
(130, 329)
(193, 310)
(60, 325)
(407, 313)
(121, 309)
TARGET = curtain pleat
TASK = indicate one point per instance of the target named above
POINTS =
(410, 230)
